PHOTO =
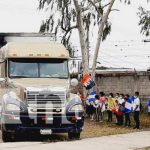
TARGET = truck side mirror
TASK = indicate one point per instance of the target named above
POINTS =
(79, 77)
(75, 67)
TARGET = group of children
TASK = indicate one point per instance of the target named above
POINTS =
(120, 105)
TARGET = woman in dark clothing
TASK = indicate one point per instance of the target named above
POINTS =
(128, 109)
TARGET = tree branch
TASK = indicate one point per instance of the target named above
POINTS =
(62, 20)
(105, 5)
(115, 10)
(85, 9)
(81, 31)
(68, 30)
(73, 27)
(99, 38)
(94, 5)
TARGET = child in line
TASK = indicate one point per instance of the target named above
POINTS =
(96, 105)
(102, 102)
(110, 106)
(128, 110)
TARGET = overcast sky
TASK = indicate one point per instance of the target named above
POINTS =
(23, 16)
(19, 16)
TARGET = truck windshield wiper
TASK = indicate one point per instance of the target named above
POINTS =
(63, 77)
(19, 76)
(58, 76)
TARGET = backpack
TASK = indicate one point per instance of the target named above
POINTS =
(141, 107)
(121, 108)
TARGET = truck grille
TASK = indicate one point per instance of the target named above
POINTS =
(39, 99)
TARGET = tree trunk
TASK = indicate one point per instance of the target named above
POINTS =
(99, 38)
(82, 38)
(84, 51)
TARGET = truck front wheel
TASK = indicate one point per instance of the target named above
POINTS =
(7, 136)
(74, 135)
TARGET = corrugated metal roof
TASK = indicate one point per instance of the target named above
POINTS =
(35, 50)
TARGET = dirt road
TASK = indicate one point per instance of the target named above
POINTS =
(115, 142)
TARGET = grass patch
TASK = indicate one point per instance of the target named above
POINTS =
(144, 148)
(97, 129)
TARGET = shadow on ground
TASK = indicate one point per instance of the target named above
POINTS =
(41, 138)
(35, 137)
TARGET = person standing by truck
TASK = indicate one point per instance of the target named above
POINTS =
(96, 105)
(148, 106)
(110, 106)
(136, 110)
(121, 109)
(102, 101)
(128, 110)
(90, 102)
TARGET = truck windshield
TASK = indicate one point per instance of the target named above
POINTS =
(37, 68)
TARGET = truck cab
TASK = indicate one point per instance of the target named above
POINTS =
(36, 88)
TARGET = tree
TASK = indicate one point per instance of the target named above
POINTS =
(144, 22)
(79, 14)
(100, 33)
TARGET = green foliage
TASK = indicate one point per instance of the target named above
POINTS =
(107, 30)
(144, 21)
(126, 1)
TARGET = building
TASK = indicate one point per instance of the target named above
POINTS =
(125, 81)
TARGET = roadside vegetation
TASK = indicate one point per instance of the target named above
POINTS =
(144, 148)
(97, 129)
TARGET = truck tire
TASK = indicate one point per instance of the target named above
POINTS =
(74, 135)
(7, 136)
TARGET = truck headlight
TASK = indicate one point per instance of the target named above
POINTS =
(76, 108)
(12, 107)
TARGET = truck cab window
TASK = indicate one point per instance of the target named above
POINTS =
(38, 68)
(19, 69)
(54, 69)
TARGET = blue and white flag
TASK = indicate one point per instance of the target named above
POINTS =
(132, 98)
(129, 105)
(91, 96)
(148, 103)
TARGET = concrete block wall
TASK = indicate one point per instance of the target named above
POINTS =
(124, 84)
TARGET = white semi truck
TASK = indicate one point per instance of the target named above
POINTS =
(35, 87)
